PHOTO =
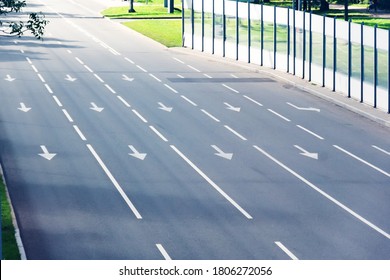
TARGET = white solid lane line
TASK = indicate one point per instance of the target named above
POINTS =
(163, 252)
(114, 182)
(287, 251)
(362, 160)
(382, 150)
(314, 187)
(211, 182)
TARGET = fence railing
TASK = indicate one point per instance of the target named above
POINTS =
(346, 57)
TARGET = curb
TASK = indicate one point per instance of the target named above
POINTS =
(14, 222)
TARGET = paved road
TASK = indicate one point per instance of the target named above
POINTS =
(115, 147)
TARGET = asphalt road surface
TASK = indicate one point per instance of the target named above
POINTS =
(114, 147)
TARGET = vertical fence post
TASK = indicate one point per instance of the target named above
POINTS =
(310, 45)
(182, 24)
(249, 31)
(349, 58)
(288, 40)
(224, 29)
(213, 29)
(304, 45)
(192, 25)
(261, 35)
(294, 42)
(323, 50)
(237, 30)
(275, 38)
(375, 66)
(361, 62)
(202, 20)
(334, 54)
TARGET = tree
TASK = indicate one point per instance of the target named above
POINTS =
(35, 24)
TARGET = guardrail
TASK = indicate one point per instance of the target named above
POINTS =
(346, 57)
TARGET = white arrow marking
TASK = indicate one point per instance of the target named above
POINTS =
(9, 78)
(164, 108)
(70, 78)
(304, 109)
(136, 154)
(306, 153)
(125, 78)
(96, 108)
(230, 107)
(221, 153)
(46, 153)
(23, 108)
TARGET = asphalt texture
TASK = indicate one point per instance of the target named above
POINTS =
(115, 147)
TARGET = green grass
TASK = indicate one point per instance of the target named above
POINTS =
(167, 32)
(145, 11)
(10, 248)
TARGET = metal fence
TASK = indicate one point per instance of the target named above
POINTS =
(346, 57)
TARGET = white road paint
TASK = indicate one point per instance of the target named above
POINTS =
(23, 108)
(154, 77)
(211, 182)
(382, 150)
(67, 115)
(193, 68)
(79, 60)
(77, 129)
(221, 153)
(114, 182)
(158, 133)
(139, 116)
(129, 60)
(34, 68)
(254, 101)
(41, 78)
(232, 89)
(362, 160)
(48, 89)
(210, 115)
(9, 78)
(163, 252)
(46, 154)
(207, 76)
(287, 251)
(137, 154)
(189, 100)
(28, 60)
(123, 101)
(89, 69)
(329, 197)
(57, 101)
(306, 153)
(70, 78)
(178, 60)
(142, 69)
(172, 89)
(126, 78)
(164, 108)
(311, 132)
(232, 108)
(96, 108)
(303, 108)
(279, 115)
(110, 89)
(98, 77)
(235, 132)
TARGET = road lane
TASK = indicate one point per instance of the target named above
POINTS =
(180, 210)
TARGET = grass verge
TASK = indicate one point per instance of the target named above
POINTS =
(144, 11)
(167, 32)
(10, 248)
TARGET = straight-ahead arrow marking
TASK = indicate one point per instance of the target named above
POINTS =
(125, 78)
(164, 108)
(306, 153)
(70, 78)
(304, 109)
(46, 154)
(221, 153)
(230, 107)
(9, 78)
(136, 154)
(23, 108)
(96, 108)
